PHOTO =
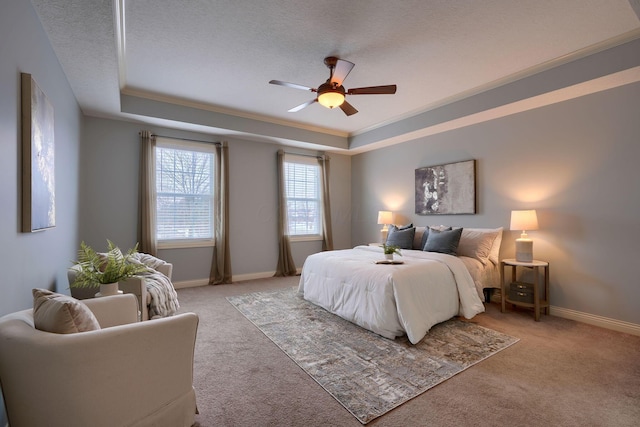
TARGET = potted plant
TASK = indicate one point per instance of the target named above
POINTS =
(105, 269)
(389, 250)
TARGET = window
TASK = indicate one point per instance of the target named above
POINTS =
(184, 193)
(302, 188)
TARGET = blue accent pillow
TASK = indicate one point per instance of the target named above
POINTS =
(444, 242)
(402, 237)
(426, 234)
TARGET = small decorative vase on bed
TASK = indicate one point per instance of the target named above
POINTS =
(389, 250)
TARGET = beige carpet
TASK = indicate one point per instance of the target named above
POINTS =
(368, 374)
(560, 373)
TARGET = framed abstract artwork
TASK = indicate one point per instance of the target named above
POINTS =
(38, 166)
(448, 189)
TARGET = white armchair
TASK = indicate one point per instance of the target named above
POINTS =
(127, 373)
(133, 285)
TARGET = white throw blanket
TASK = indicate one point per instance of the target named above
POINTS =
(428, 288)
(164, 299)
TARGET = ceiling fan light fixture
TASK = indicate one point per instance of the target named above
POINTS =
(330, 96)
(331, 99)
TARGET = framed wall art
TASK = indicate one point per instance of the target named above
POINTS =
(448, 189)
(38, 167)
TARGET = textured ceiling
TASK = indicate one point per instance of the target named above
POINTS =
(220, 55)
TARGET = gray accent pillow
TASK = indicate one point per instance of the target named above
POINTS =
(426, 234)
(444, 242)
(402, 237)
(404, 227)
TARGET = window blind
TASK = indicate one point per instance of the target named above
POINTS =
(184, 192)
(302, 178)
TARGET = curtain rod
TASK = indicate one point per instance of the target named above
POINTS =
(305, 155)
(184, 139)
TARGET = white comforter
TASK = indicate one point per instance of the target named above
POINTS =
(390, 300)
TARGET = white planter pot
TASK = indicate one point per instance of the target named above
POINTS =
(107, 289)
(389, 257)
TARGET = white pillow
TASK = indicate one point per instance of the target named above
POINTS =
(417, 238)
(479, 243)
(494, 256)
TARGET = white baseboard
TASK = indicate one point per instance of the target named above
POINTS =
(236, 278)
(252, 276)
(591, 319)
(190, 283)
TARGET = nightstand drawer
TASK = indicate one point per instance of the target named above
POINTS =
(522, 292)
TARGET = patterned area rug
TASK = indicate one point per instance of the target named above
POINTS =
(368, 374)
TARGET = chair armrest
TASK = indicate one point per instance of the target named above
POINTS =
(79, 293)
(114, 310)
(156, 263)
(125, 372)
(166, 269)
(72, 273)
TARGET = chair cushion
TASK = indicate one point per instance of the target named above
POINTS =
(61, 314)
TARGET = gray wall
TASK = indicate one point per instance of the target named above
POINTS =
(29, 260)
(109, 199)
(575, 162)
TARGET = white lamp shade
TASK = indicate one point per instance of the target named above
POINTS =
(524, 220)
(385, 217)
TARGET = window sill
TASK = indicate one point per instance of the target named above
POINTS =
(186, 244)
(310, 238)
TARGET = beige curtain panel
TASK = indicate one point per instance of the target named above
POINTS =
(327, 232)
(286, 266)
(221, 262)
(147, 203)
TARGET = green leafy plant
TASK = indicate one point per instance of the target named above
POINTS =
(390, 249)
(94, 269)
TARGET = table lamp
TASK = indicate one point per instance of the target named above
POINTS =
(524, 220)
(385, 218)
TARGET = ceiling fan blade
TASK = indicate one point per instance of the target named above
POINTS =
(348, 108)
(341, 71)
(292, 85)
(373, 90)
(301, 106)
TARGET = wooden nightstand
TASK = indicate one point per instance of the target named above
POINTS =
(525, 294)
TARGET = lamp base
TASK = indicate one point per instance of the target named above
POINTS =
(383, 234)
(524, 250)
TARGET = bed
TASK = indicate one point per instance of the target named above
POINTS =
(409, 298)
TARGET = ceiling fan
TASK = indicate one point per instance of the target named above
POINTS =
(331, 93)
